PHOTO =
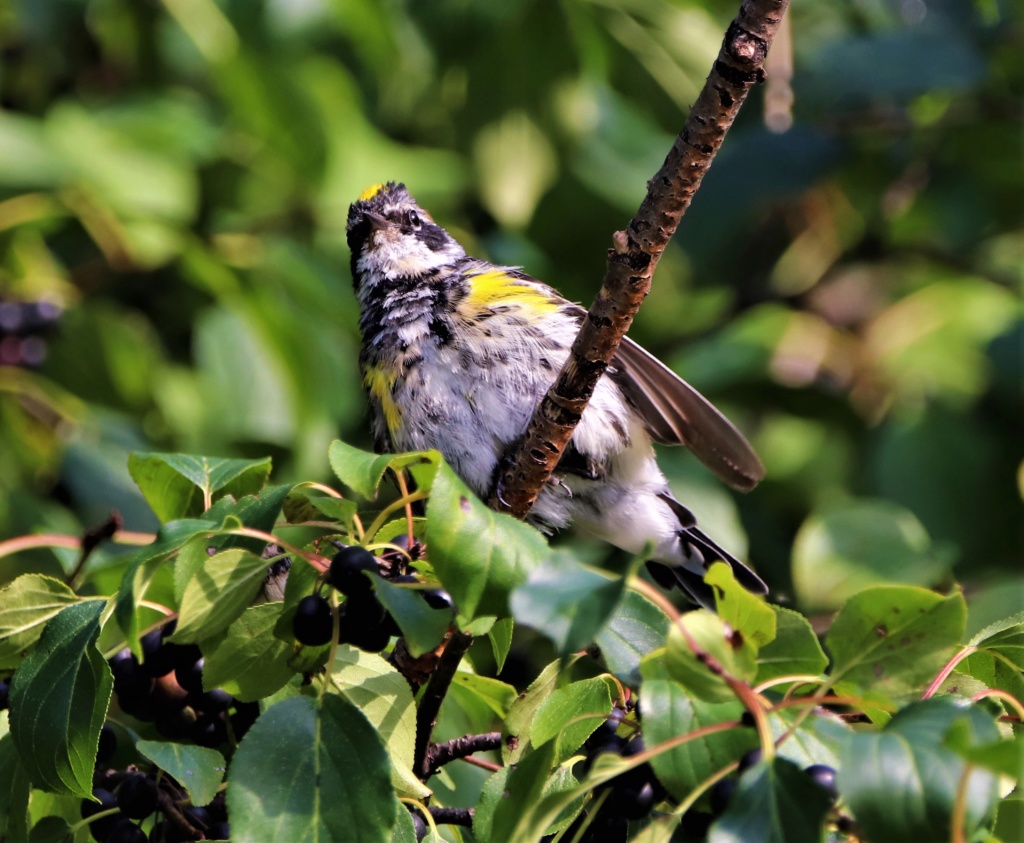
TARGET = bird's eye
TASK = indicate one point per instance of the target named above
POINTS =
(414, 219)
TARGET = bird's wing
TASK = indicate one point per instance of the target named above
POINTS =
(674, 413)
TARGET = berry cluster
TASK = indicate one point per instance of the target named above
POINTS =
(362, 620)
(628, 797)
(127, 797)
(166, 688)
(22, 326)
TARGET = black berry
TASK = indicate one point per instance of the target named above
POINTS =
(107, 746)
(438, 598)
(136, 796)
(219, 831)
(312, 623)
(721, 794)
(5, 690)
(99, 829)
(124, 830)
(824, 777)
(749, 760)
(419, 826)
(347, 567)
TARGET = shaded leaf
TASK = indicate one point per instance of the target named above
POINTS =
(362, 471)
(570, 714)
(422, 626)
(795, 651)
(566, 601)
(479, 555)
(636, 628)
(248, 660)
(734, 653)
(218, 594)
(198, 769)
(311, 769)
(59, 699)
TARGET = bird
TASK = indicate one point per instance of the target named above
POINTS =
(456, 354)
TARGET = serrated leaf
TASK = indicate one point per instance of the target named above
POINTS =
(902, 782)
(743, 611)
(258, 511)
(999, 662)
(795, 651)
(422, 626)
(174, 485)
(636, 628)
(566, 601)
(735, 654)
(571, 713)
(669, 712)
(773, 802)
(521, 793)
(498, 696)
(362, 471)
(479, 555)
(58, 699)
(311, 769)
(198, 769)
(218, 594)
(816, 740)
(560, 783)
(25, 607)
(141, 567)
(500, 636)
(382, 694)
(891, 638)
(309, 503)
(248, 660)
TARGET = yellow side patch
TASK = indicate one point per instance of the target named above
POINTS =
(371, 191)
(380, 383)
(496, 286)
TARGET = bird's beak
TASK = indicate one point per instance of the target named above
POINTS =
(377, 222)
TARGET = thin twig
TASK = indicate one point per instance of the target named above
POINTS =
(739, 66)
(439, 754)
(91, 539)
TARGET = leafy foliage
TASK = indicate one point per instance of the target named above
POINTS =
(173, 286)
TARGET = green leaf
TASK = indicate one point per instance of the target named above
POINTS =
(735, 653)
(141, 567)
(175, 485)
(858, 545)
(669, 712)
(560, 785)
(500, 636)
(1003, 756)
(311, 770)
(636, 628)
(522, 712)
(14, 788)
(999, 662)
(382, 694)
(51, 829)
(479, 555)
(571, 714)
(566, 601)
(773, 803)
(248, 660)
(891, 638)
(25, 606)
(422, 626)
(808, 740)
(362, 471)
(258, 511)
(521, 793)
(59, 699)
(218, 594)
(902, 782)
(198, 769)
(744, 612)
(498, 696)
(795, 650)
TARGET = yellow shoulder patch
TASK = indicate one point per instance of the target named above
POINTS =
(371, 191)
(380, 383)
(495, 287)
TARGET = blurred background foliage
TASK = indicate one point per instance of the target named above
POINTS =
(175, 176)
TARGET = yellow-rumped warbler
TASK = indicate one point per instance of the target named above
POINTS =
(456, 355)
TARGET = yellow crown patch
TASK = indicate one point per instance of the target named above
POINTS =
(371, 191)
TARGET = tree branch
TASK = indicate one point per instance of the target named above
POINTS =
(433, 696)
(439, 754)
(637, 250)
